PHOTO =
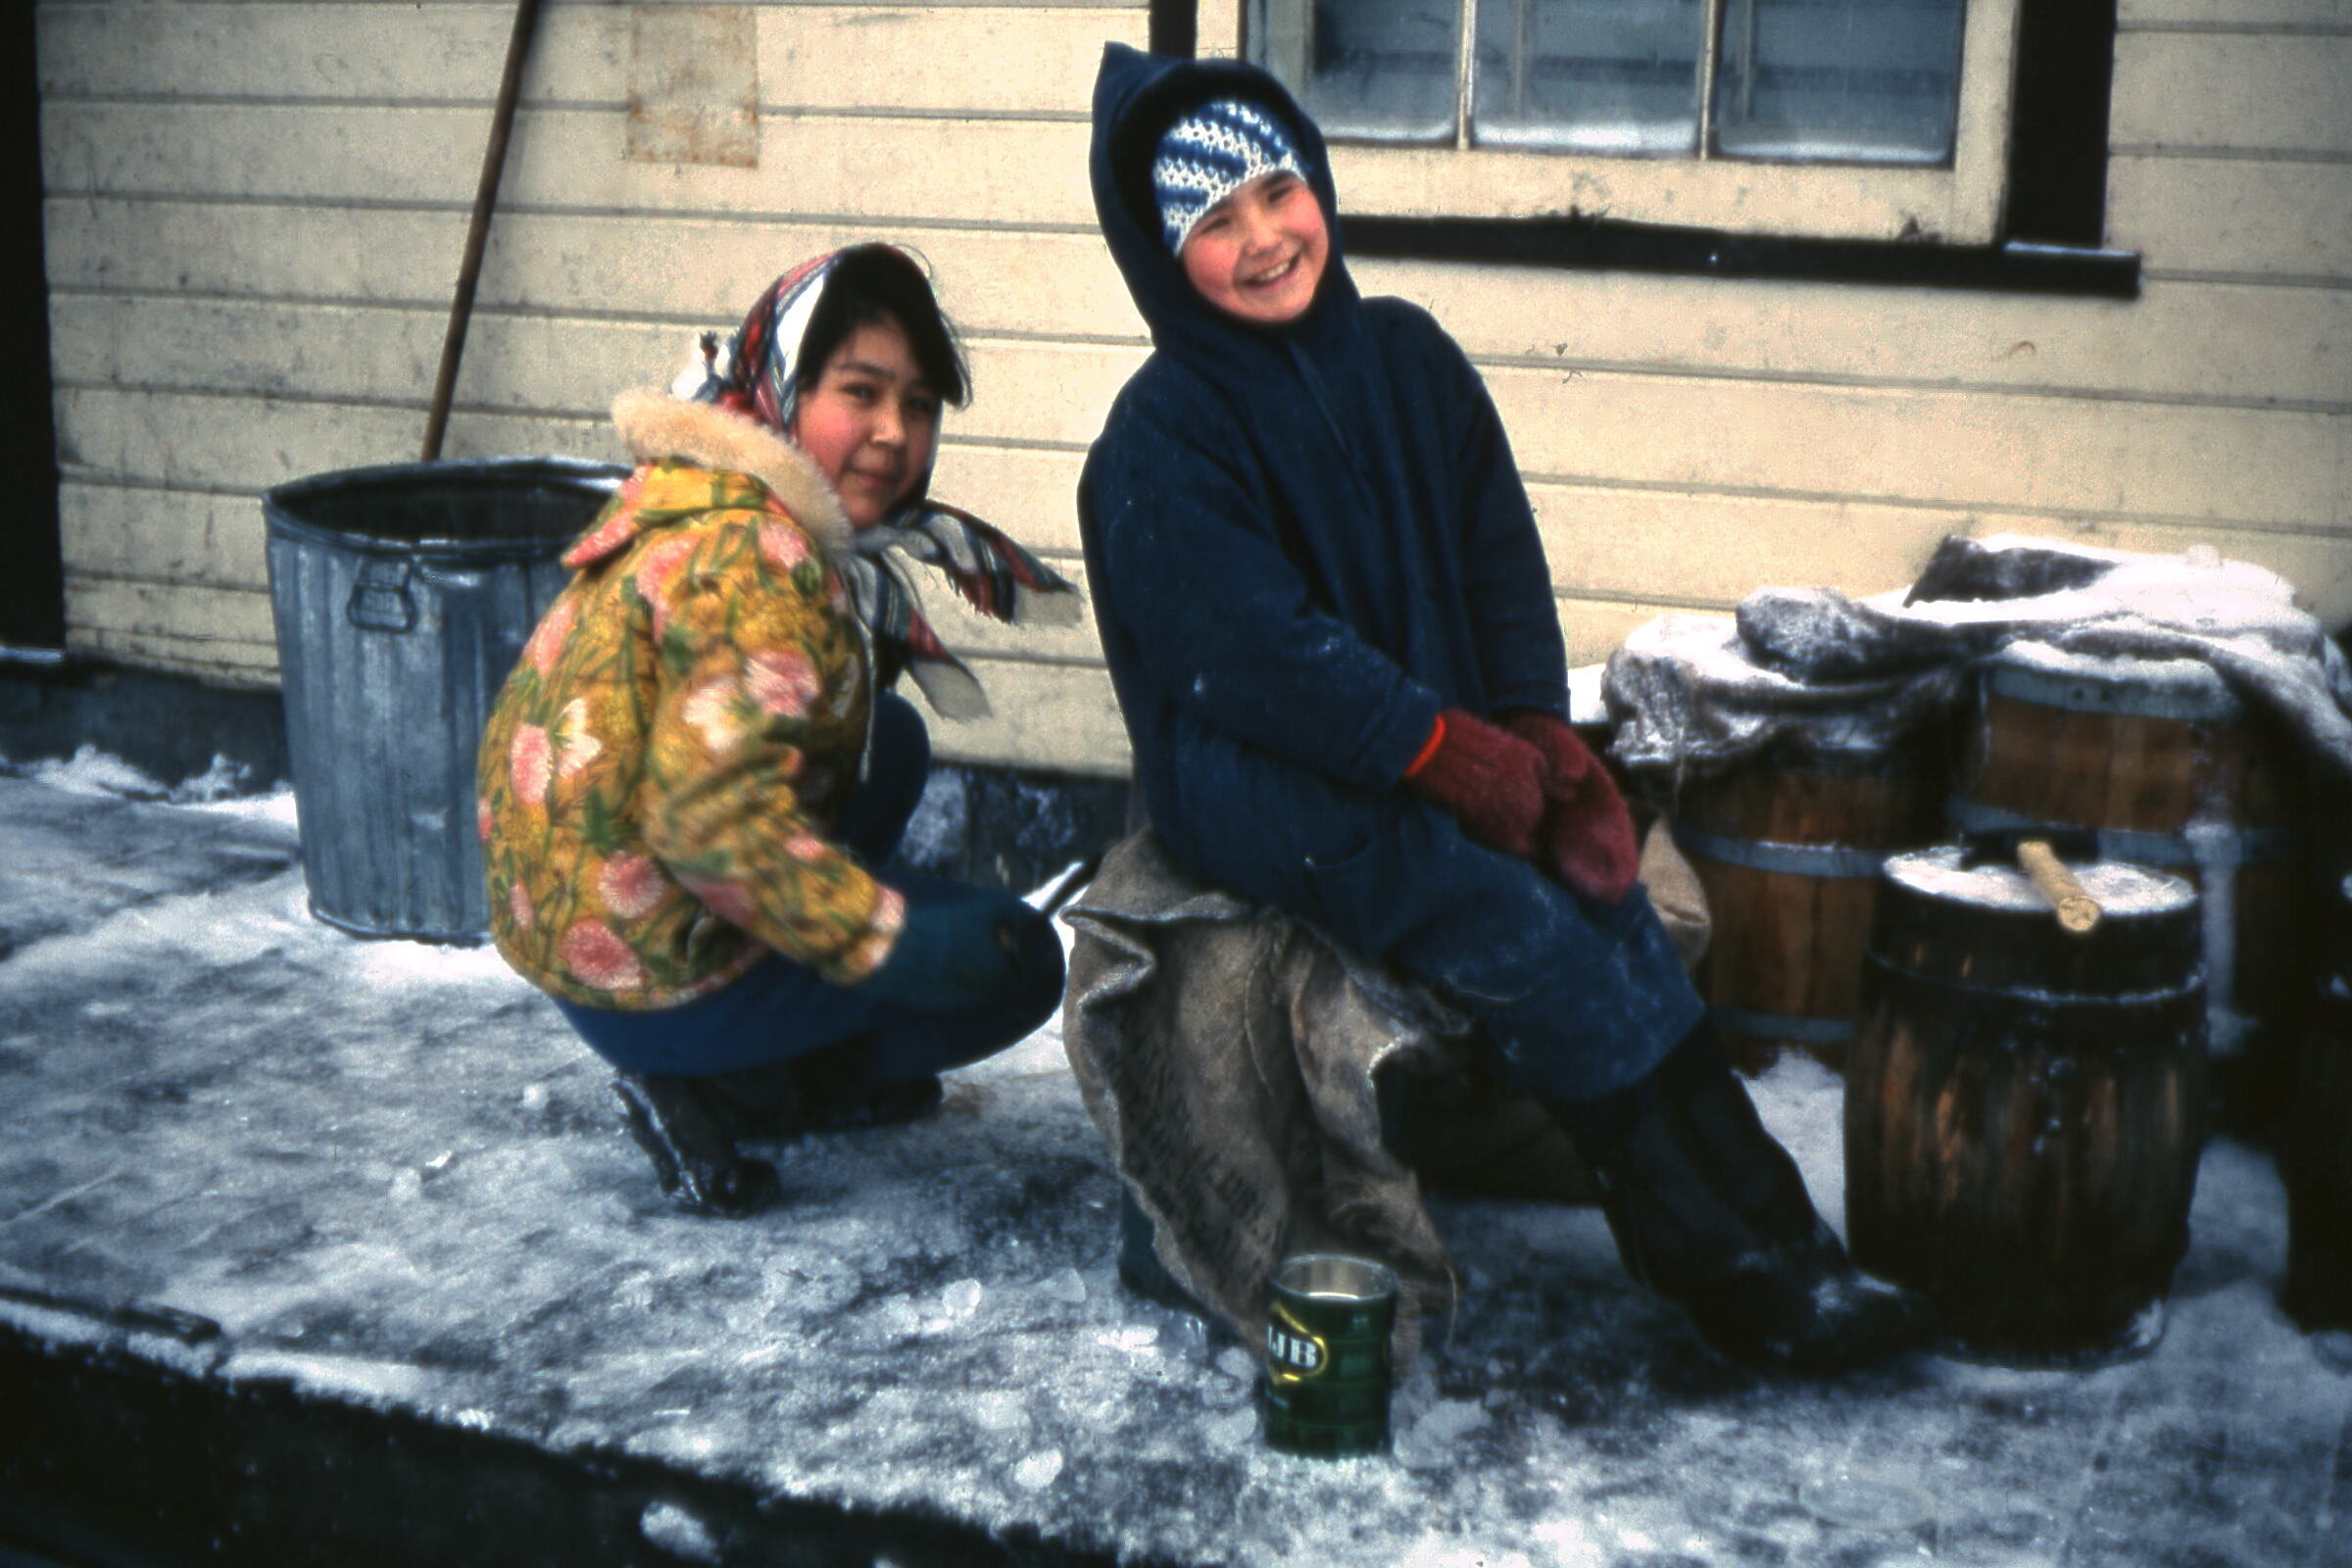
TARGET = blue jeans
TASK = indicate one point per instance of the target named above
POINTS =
(780, 1009)
(1577, 999)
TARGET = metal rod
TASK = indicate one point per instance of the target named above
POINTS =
(1710, 48)
(1466, 78)
(477, 233)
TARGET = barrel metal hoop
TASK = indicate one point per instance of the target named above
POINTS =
(1969, 994)
(2215, 703)
(1805, 1030)
(2221, 847)
(1791, 859)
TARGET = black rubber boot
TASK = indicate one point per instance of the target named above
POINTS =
(687, 1133)
(1758, 1298)
(1745, 1163)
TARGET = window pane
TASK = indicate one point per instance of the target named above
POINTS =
(1877, 80)
(1592, 76)
(1377, 68)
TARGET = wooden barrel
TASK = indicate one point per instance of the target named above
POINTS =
(1787, 848)
(2318, 1146)
(2175, 772)
(2025, 1108)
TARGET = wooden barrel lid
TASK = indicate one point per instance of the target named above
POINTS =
(1987, 925)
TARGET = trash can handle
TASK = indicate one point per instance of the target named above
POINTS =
(380, 600)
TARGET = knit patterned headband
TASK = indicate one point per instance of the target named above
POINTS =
(1208, 155)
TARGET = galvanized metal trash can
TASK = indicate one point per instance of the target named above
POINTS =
(403, 595)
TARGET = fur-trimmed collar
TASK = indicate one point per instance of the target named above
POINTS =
(653, 425)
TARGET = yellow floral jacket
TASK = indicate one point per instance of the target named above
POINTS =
(662, 768)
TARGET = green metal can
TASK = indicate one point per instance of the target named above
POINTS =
(1328, 1321)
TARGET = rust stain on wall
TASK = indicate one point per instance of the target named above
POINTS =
(694, 85)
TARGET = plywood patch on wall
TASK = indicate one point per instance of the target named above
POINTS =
(694, 86)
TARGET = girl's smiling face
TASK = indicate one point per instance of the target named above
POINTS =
(870, 423)
(1259, 254)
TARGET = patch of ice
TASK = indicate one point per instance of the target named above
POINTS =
(1064, 1285)
(1039, 1470)
(91, 772)
(1238, 1425)
(961, 1299)
(366, 1378)
(1236, 1363)
(1000, 1410)
(673, 1530)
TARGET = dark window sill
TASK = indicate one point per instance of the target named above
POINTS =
(1583, 244)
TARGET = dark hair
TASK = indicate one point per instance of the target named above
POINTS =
(872, 285)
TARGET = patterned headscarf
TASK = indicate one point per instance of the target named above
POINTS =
(1208, 155)
(754, 375)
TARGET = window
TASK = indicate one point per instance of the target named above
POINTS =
(1854, 119)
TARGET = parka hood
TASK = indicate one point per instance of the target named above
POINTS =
(1138, 97)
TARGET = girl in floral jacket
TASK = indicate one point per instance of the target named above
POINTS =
(693, 781)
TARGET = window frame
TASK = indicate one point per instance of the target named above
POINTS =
(1958, 203)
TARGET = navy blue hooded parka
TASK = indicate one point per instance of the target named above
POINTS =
(1303, 543)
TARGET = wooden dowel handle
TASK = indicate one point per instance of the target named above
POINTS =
(2078, 910)
(477, 230)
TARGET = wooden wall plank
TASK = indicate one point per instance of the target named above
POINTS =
(2249, 15)
(1030, 493)
(250, 666)
(888, 57)
(1057, 716)
(2185, 339)
(2235, 90)
(1024, 390)
(812, 164)
(248, 443)
(1001, 58)
(1957, 449)
(2232, 215)
(233, 615)
(203, 538)
(2177, 340)
(707, 271)
(1962, 449)
(1594, 628)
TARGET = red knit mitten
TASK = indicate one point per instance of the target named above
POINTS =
(1587, 835)
(1490, 781)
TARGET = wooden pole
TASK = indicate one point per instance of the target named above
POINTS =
(477, 233)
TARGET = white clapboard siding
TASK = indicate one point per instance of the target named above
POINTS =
(1030, 492)
(233, 624)
(2251, 92)
(1060, 717)
(697, 271)
(202, 657)
(1957, 449)
(1032, 390)
(1006, 171)
(808, 56)
(202, 537)
(241, 442)
(2244, 217)
(2245, 15)
(1946, 447)
(2183, 340)
(2195, 340)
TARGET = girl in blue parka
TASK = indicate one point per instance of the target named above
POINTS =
(1331, 626)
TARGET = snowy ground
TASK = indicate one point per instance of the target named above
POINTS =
(391, 1177)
